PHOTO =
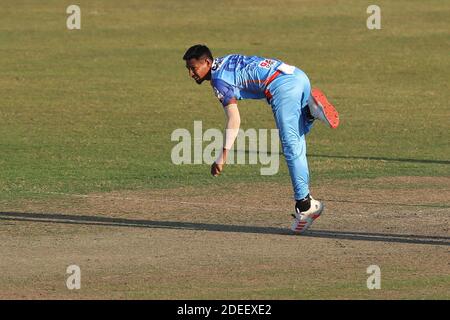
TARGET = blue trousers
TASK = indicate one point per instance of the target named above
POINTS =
(290, 94)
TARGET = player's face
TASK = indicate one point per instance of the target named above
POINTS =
(199, 69)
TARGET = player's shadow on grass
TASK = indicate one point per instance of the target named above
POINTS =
(134, 223)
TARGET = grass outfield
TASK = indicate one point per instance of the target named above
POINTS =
(91, 111)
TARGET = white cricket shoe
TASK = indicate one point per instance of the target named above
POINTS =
(320, 108)
(303, 220)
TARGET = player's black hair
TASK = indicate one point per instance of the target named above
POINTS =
(198, 51)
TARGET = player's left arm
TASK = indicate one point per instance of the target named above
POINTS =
(233, 122)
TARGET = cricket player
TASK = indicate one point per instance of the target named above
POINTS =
(294, 105)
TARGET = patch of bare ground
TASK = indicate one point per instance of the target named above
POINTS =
(231, 244)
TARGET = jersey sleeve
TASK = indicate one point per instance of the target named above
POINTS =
(224, 92)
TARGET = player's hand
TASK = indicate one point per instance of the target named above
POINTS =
(216, 169)
(217, 166)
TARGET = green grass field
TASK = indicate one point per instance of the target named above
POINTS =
(92, 110)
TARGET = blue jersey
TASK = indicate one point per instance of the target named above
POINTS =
(235, 77)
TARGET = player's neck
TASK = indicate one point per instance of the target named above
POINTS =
(208, 76)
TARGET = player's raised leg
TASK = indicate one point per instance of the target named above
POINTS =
(322, 109)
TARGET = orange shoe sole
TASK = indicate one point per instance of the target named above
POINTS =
(328, 109)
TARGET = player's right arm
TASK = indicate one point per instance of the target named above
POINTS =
(225, 94)
(233, 122)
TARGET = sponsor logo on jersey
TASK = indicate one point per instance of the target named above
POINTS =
(267, 63)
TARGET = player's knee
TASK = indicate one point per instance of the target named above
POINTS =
(293, 151)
